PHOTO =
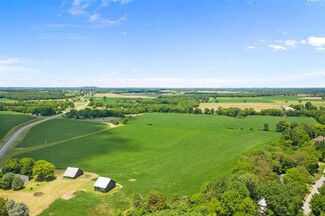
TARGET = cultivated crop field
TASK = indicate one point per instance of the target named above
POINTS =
(259, 103)
(167, 152)
(11, 119)
(57, 130)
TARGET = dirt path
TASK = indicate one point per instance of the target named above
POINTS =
(314, 190)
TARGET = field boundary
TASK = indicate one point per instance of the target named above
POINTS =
(13, 130)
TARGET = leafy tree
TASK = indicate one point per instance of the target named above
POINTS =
(266, 127)
(17, 208)
(317, 204)
(11, 165)
(27, 165)
(155, 201)
(7, 180)
(231, 202)
(43, 170)
(17, 183)
(296, 175)
(3, 207)
(281, 126)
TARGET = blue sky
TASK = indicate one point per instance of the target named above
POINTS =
(162, 43)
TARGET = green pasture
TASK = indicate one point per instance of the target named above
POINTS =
(9, 120)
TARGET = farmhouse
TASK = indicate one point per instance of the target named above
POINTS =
(25, 178)
(319, 139)
(104, 184)
(262, 206)
(287, 108)
(73, 172)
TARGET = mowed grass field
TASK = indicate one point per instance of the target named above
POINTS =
(259, 103)
(167, 152)
(9, 120)
(57, 130)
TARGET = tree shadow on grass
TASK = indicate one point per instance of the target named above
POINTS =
(76, 152)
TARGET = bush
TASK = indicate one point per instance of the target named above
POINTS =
(17, 208)
(17, 183)
(7, 180)
(27, 165)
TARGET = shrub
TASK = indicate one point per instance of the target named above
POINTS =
(17, 183)
(7, 180)
(27, 165)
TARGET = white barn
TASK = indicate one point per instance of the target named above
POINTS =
(104, 184)
(73, 172)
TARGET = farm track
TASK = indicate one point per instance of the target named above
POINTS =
(41, 146)
(13, 139)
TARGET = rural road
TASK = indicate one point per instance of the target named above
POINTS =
(314, 190)
(20, 132)
(23, 129)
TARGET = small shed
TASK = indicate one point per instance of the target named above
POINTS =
(319, 139)
(104, 184)
(73, 172)
(25, 178)
(262, 206)
(288, 108)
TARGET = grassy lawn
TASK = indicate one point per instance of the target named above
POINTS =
(60, 187)
(11, 119)
(176, 154)
(58, 129)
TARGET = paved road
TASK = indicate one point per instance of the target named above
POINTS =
(23, 129)
(314, 190)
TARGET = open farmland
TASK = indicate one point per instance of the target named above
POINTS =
(167, 152)
(11, 119)
(59, 129)
(259, 103)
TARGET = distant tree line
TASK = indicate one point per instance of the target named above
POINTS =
(43, 108)
(256, 175)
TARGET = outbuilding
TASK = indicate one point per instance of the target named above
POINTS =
(319, 139)
(25, 178)
(104, 184)
(262, 205)
(73, 172)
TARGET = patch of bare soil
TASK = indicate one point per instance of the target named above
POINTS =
(132, 180)
(67, 196)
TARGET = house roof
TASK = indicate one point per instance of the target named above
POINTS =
(319, 139)
(71, 172)
(25, 178)
(262, 202)
(102, 182)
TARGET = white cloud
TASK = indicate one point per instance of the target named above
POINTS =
(316, 41)
(62, 25)
(290, 43)
(93, 17)
(252, 47)
(116, 21)
(91, 9)
(12, 64)
(320, 48)
(277, 47)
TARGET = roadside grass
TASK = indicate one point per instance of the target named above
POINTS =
(58, 129)
(8, 120)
